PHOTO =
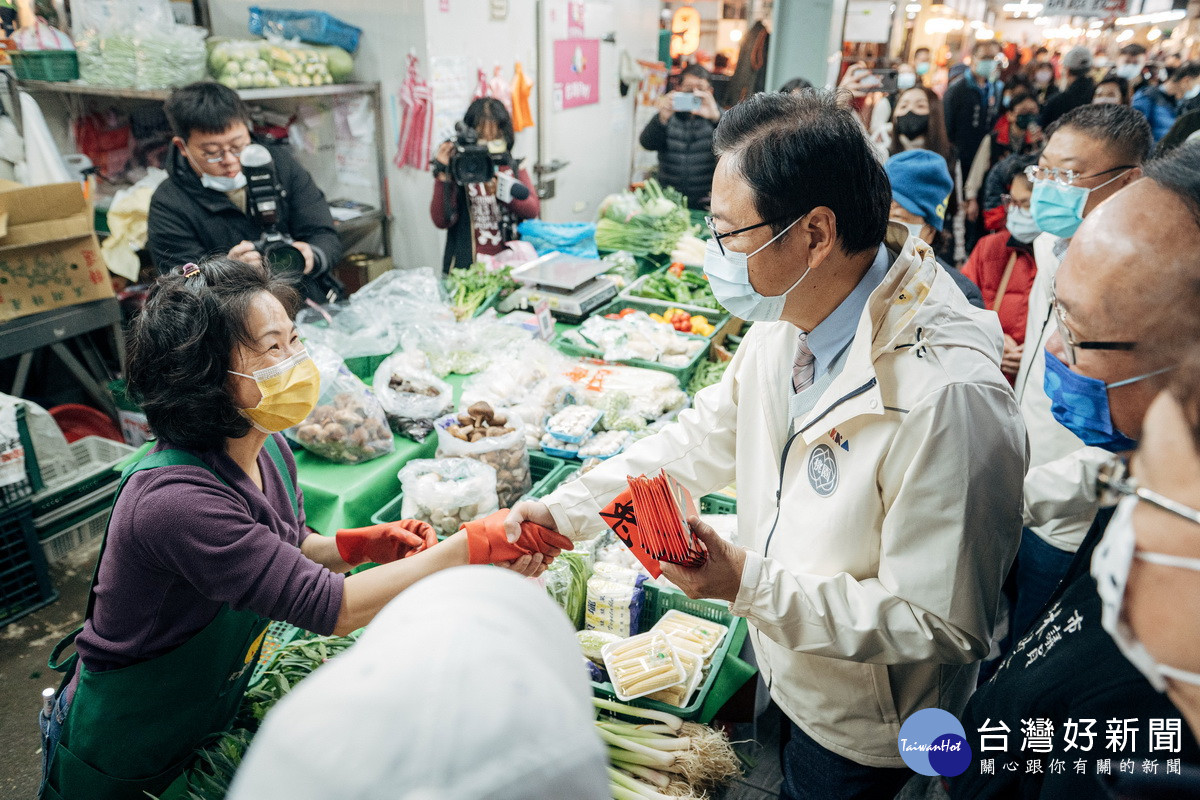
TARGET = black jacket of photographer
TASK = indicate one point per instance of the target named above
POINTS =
(189, 221)
(685, 154)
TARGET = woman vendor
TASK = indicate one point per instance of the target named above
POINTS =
(207, 542)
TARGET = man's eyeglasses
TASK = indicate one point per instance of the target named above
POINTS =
(1008, 201)
(1114, 480)
(217, 155)
(717, 237)
(1071, 344)
(1066, 177)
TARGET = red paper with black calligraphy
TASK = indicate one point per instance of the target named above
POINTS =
(650, 518)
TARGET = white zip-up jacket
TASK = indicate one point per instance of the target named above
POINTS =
(879, 527)
(1061, 494)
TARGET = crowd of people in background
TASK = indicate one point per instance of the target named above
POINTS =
(1005, 164)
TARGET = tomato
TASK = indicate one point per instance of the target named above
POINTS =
(676, 269)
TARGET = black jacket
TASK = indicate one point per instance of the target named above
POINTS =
(685, 154)
(189, 221)
(1077, 94)
(968, 118)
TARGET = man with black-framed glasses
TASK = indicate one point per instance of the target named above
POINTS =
(201, 208)
(1090, 154)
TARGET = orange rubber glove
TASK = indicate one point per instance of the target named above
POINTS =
(488, 544)
(384, 543)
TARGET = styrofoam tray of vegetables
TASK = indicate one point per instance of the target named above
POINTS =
(642, 665)
(692, 633)
(680, 694)
(574, 423)
(605, 445)
(557, 447)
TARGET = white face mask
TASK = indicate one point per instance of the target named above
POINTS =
(729, 278)
(1129, 71)
(1111, 562)
(1192, 92)
(1021, 225)
(906, 80)
(914, 228)
(223, 184)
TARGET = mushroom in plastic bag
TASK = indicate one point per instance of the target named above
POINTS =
(348, 425)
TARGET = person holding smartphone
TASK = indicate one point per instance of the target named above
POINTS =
(682, 135)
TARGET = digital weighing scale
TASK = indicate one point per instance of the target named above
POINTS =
(572, 286)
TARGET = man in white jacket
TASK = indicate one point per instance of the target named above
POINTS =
(876, 445)
(1101, 149)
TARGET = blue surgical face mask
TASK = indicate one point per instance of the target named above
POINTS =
(984, 68)
(729, 278)
(1058, 208)
(1021, 225)
(1080, 404)
(914, 228)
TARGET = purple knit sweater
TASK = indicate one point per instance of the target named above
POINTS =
(181, 543)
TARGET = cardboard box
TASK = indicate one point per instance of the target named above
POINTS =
(49, 255)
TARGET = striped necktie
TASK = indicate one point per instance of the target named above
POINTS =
(804, 367)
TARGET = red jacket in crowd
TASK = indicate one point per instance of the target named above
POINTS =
(986, 267)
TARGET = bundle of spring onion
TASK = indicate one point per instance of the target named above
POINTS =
(648, 220)
(470, 287)
(662, 756)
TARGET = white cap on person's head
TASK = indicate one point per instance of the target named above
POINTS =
(468, 685)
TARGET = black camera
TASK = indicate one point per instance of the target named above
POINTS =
(471, 162)
(262, 205)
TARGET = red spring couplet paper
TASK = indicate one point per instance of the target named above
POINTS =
(650, 518)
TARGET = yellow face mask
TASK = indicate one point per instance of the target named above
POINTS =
(289, 393)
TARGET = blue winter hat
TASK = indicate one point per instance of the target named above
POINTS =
(921, 183)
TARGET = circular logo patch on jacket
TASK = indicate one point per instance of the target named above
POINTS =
(822, 470)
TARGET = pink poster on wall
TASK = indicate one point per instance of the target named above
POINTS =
(576, 72)
(575, 10)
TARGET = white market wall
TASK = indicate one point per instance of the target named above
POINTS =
(464, 29)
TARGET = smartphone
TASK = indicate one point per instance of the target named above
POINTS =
(881, 80)
(685, 101)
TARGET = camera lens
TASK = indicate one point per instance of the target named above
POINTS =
(283, 258)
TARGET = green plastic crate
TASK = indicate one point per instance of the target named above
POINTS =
(543, 471)
(716, 318)
(657, 602)
(718, 504)
(277, 635)
(682, 374)
(554, 481)
(45, 65)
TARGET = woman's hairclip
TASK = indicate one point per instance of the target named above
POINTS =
(189, 269)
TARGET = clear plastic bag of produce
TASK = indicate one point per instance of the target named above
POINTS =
(447, 492)
(494, 436)
(566, 583)
(528, 380)
(411, 395)
(349, 329)
(626, 391)
(348, 425)
(466, 347)
(136, 44)
(572, 238)
(636, 336)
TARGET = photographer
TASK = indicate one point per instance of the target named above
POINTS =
(202, 208)
(480, 216)
(682, 133)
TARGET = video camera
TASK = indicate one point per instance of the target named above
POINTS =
(472, 162)
(262, 205)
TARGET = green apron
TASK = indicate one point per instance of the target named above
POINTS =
(135, 729)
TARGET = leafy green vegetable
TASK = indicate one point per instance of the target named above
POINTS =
(690, 288)
(708, 373)
(649, 220)
(470, 287)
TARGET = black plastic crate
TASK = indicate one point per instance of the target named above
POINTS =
(24, 577)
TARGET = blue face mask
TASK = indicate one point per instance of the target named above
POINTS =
(1058, 208)
(984, 68)
(729, 279)
(1080, 404)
